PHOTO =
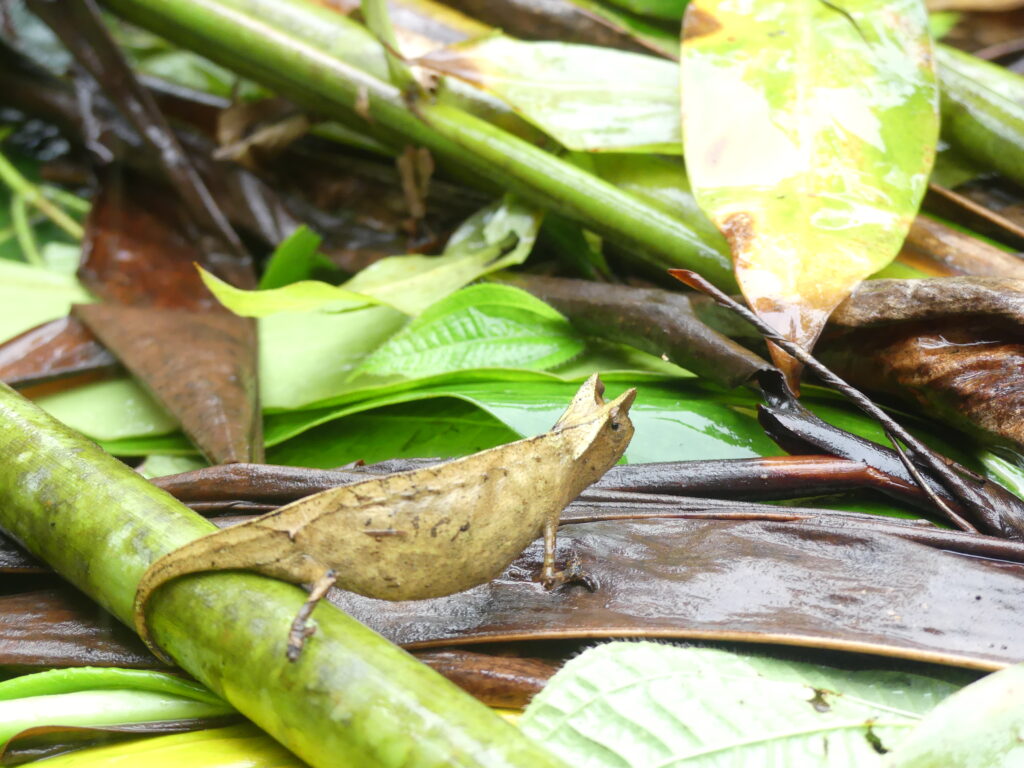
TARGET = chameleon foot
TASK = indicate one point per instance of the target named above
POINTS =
(573, 573)
(300, 631)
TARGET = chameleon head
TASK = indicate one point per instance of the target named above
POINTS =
(599, 430)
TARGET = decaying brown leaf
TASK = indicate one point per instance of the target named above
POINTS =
(424, 533)
(952, 346)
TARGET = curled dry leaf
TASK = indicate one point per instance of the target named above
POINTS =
(422, 533)
(953, 346)
(815, 170)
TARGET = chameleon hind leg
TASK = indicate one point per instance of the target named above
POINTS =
(300, 629)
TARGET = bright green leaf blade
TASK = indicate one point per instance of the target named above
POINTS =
(810, 131)
(443, 427)
(587, 98)
(500, 235)
(33, 295)
(479, 326)
(638, 705)
(307, 295)
(980, 726)
(658, 38)
(295, 259)
(669, 10)
(242, 746)
(77, 679)
(109, 410)
(102, 707)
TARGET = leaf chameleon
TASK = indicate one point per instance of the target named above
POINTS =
(423, 533)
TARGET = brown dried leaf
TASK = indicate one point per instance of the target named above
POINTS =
(62, 349)
(200, 366)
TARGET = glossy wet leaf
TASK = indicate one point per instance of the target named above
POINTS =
(305, 295)
(443, 427)
(668, 10)
(498, 236)
(639, 704)
(979, 726)
(32, 295)
(587, 98)
(293, 260)
(480, 326)
(100, 697)
(815, 168)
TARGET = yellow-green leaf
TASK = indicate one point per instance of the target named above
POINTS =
(809, 131)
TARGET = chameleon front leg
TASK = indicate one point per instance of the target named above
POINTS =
(573, 572)
(299, 631)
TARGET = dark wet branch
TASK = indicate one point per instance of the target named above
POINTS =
(989, 507)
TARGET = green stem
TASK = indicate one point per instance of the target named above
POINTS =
(19, 185)
(253, 39)
(982, 110)
(23, 231)
(351, 699)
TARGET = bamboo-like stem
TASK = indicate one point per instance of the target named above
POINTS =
(351, 699)
(253, 39)
(981, 110)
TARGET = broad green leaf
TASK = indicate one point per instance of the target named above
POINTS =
(654, 36)
(810, 131)
(496, 237)
(241, 746)
(637, 705)
(980, 726)
(78, 679)
(587, 98)
(305, 295)
(442, 427)
(669, 10)
(32, 295)
(96, 697)
(109, 410)
(295, 259)
(480, 326)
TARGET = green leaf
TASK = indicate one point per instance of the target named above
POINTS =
(109, 410)
(980, 726)
(496, 237)
(96, 697)
(307, 295)
(654, 36)
(295, 259)
(669, 10)
(673, 421)
(637, 705)
(480, 326)
(162, 464)
(32, 295)
(441, 426)
(587, 98)
(815, 169)
(78, 679)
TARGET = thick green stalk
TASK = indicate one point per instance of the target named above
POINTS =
(352, 698)
(983, 110)
(253, 38)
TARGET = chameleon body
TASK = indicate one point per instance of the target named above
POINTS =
(424, 533)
